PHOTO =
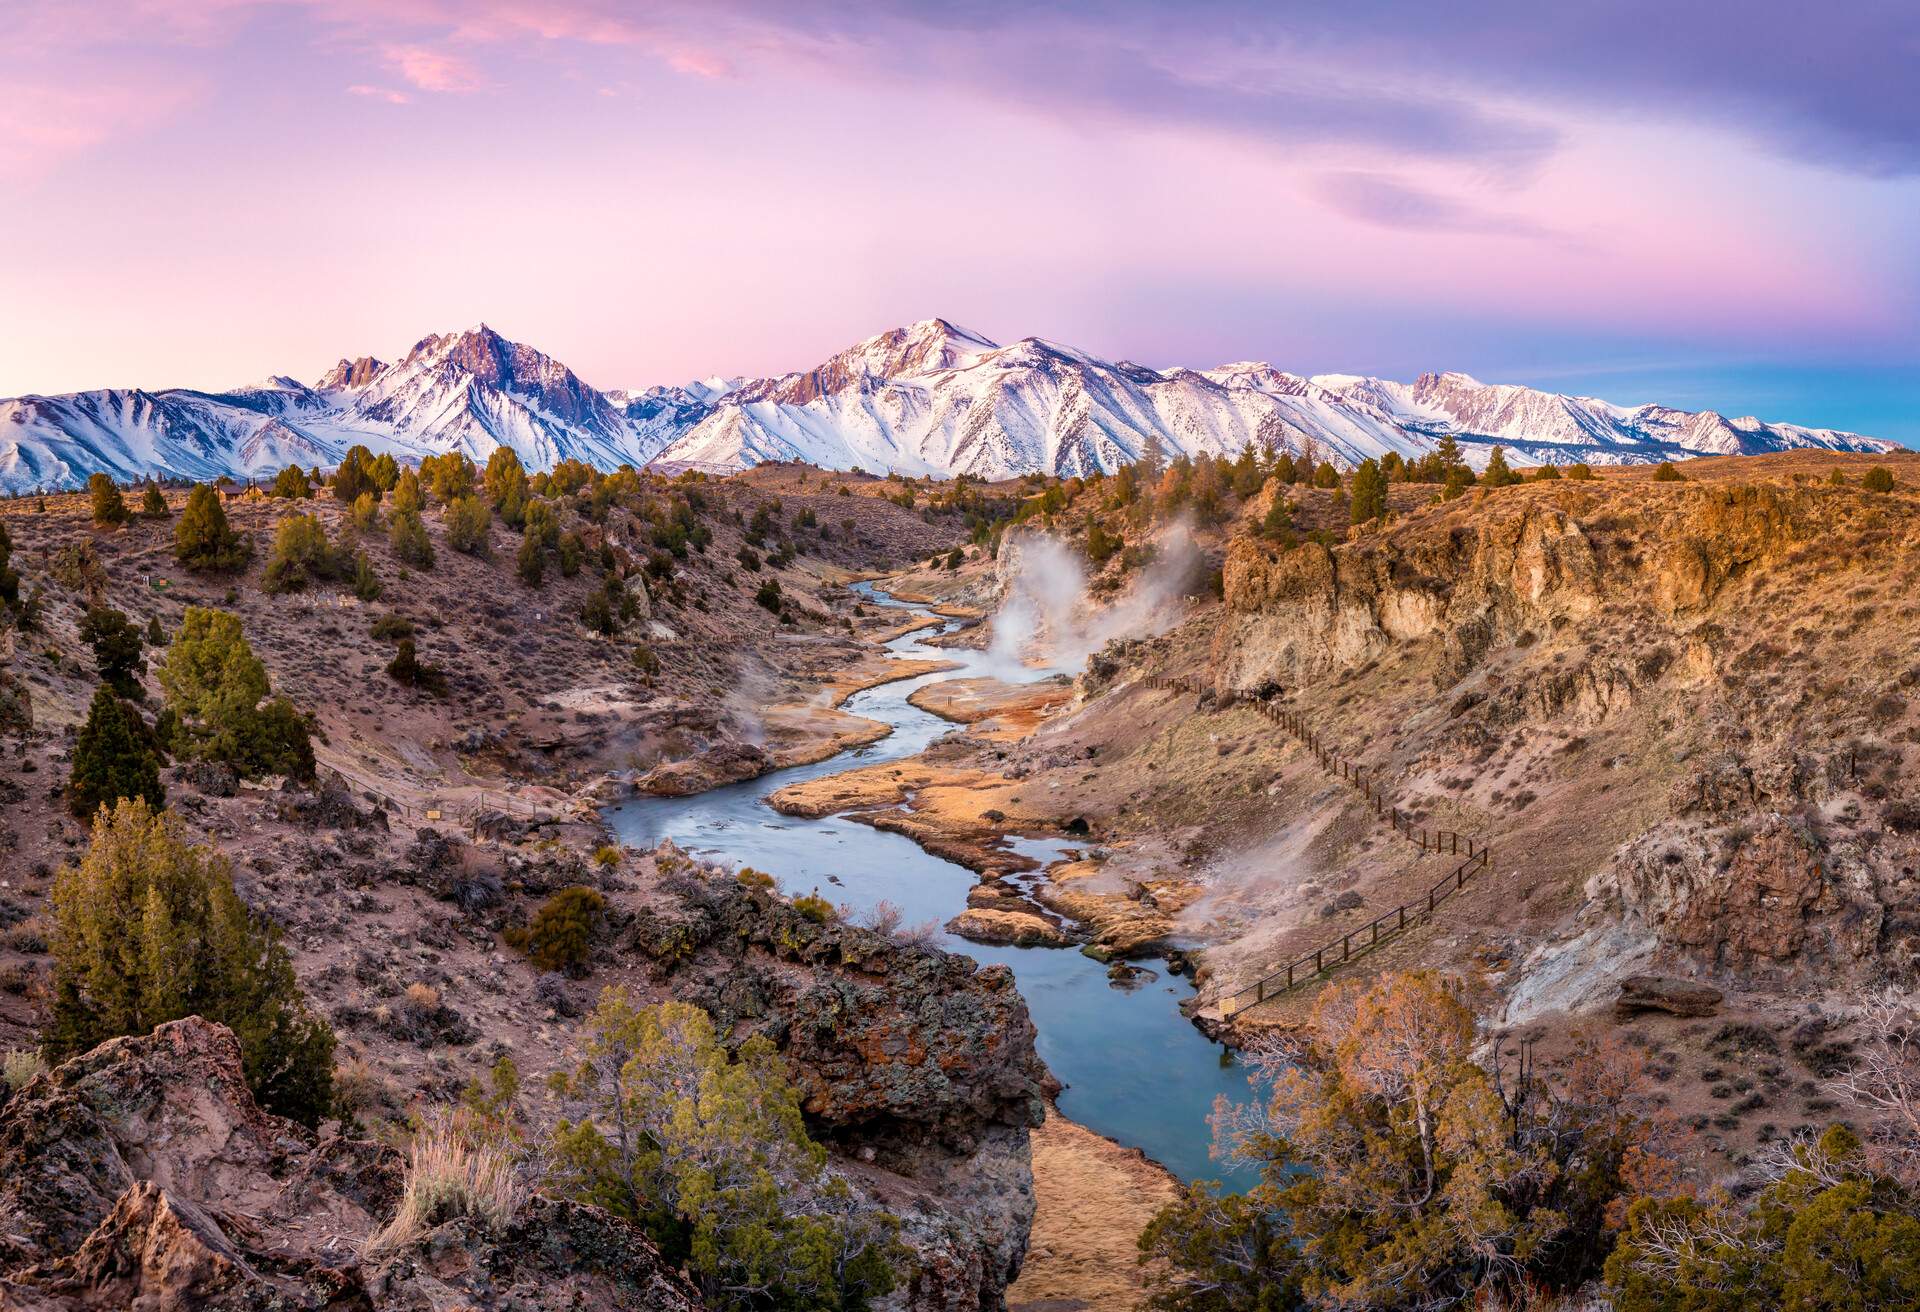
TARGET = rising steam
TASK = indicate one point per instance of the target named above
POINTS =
(1047, 616)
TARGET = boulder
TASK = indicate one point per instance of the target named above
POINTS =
(1022, 929)
(1677, 997)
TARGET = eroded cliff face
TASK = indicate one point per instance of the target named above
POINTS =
(1744, 648)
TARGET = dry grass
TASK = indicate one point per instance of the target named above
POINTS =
(18, 1065)
(452, 1172)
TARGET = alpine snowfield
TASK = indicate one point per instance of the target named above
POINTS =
(930, 398)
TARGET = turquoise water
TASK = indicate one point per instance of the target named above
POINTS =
(1135, 1069)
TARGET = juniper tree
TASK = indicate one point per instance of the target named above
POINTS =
(291, 484)
(407, 536)
(301, 555)
(111, 759)
(203, 540)
(153, 505)
(223, 703)
(109, 507)
(1499, 473)
(467, 521)
(354, 476)
(117, 650)
(1369, 493)
(148, 929)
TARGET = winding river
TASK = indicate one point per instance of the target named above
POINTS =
(1135, 1069)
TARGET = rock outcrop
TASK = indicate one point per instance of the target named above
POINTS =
(1676, 997)
(916, 1061)
(143, 1175)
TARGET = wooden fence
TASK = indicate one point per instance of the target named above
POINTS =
(1318, 962)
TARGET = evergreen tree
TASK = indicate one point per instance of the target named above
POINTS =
(1499, 473)
(1449, 455)
(1459, 479)
(449, 477)
(223, 702)
(407, 536)
(354, 476)
(710, 1154)
(1369, 493)
(1877, 479)
(408, 498)
(386, 472)
(109, 507)
(1277, 524)
(1580, 473)
(117, 650)
(156, 636)
(467, 521)
(366, 512)
(153, 504)
(532, 561)
(505, 480)
(1666, 472)
(111, 760)
(148, 929)
(366, 584)
(203, 540)
(301, 554)
(1326, 475)
(291, 484)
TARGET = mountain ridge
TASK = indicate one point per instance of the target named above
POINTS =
(929, 397)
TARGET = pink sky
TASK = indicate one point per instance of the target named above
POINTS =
(204, 193)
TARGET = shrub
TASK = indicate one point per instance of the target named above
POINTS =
(1877, 479)
(109, 507)
(748, 557)
(156, 636)
(1458, 479)
(219, 693)
(153, 503)
(1547, 474)
(1837, 479)
(725, 1172)
(570, 551)
(757, 880)
(118, 650)
(645, 659)
(291, 484)
(1580, 473)
(542, 523)
(814, 908)
(9, 577)
(407, 536)
(148, 929)
(467, 521)
(560, 936)
(1326, 475)
(531, 563)
(1667, 473)
(391, 626)
(407, 669)
(366, 513)
(203, 540)
(301, 554)
(366, 584)
(111, 759)
(407, 495)
(769, 595)
(607, 856)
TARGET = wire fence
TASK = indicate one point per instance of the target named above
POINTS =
(1318, 962)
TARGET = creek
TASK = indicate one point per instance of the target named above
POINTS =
(1135, 1069)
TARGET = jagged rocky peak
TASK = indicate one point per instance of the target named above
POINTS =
(928, 346)
(350, 374)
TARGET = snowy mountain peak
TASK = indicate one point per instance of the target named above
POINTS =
(929, 397)
(350, 374)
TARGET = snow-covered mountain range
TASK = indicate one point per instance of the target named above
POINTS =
(930, 398)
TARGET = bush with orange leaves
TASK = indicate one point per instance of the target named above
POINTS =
(1398, 1172)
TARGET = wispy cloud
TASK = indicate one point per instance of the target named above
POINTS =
(433, 70)
(388, 94)
(1393, 202)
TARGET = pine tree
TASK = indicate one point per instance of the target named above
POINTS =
(148, 929)
(156, 636)
(1369, 493)
(408, 498)
(407, 536)
(467, 521)
(1498, 472)
(109, 507)
(111, 760)
(153, 504)
(203, 540)
(386, 472)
